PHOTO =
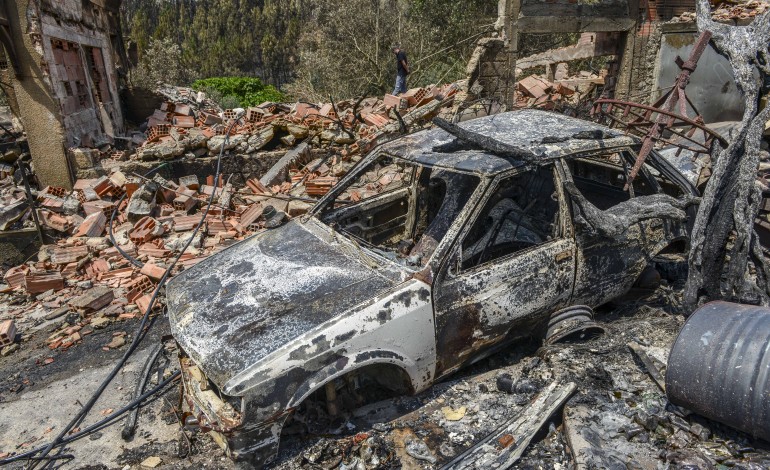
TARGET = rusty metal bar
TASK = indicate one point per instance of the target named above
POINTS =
(674, 96)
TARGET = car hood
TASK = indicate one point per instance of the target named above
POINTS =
(239, 305)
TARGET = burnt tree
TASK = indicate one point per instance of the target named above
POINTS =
(724, 242)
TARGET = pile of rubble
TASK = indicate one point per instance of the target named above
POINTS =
(730, 11)
(85, 274)
(153, 218)
(535, 91)
(192, 128)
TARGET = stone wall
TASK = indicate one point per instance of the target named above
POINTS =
(637, 80)
(490, 74)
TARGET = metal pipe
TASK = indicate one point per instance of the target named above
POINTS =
(24, 178)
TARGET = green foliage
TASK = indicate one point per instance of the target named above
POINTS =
(244, 91)
(161, 62)
(222, 37)
(346, 50)
(312, 49)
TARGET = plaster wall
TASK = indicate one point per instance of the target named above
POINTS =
(712, 85)
(32, 98)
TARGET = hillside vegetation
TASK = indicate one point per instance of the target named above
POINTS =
(309, 49)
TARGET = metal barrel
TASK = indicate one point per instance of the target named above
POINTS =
(719, 366)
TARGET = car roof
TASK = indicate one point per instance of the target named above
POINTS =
(524, 129)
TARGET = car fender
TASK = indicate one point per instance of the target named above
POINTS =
(363, 359)
(396, 327)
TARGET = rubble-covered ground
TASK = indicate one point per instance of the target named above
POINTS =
(617, 417)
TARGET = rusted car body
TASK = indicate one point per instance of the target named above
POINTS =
(425, 257)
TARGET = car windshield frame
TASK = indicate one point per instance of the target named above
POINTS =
(317, 211)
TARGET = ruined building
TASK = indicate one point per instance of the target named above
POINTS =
(642, 39)
(59, 65)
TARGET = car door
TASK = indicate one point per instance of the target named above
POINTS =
(511, 266)
(608, 267)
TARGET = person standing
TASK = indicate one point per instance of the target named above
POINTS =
(402, 70)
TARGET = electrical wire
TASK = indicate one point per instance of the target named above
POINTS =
(139, 335)
(129, 427)
(103, 423)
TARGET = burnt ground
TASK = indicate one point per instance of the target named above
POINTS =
(621, 415)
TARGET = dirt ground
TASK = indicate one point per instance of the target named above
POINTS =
(618, 416)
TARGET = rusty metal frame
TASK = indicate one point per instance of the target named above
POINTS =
(650, 122)
(640, 126)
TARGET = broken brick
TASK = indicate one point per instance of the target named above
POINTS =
(257, 187)
(186, 222)
(92, 226)
(105, 207)
(7, 332)
(54, 221)
(96, 298)
(42, 281)
(144, 230)
(189, 181)
(153, 271)
(143, 302)
(70, 254)
(154, 248)
(251, 214)
(14, 277)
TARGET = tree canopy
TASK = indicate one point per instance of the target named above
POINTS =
(312, 48)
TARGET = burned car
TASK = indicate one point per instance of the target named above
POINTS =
(428, 255)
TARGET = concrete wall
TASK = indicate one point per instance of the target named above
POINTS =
(712, 85)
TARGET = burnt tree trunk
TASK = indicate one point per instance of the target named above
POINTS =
(723, 239)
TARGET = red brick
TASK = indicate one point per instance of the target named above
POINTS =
(391, 101)
(7, 332)
(14, 277)
(92, 226)
(42, 281)
(70, 254)
(144, 230)
(143, 302)
(153, 271)
(250, 215)
(183, 121)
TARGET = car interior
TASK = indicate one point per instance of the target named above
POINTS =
(521, 213)
(400, 209)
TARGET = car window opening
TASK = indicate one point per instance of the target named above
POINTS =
(399, 209)
(601, 178)
(522, 212)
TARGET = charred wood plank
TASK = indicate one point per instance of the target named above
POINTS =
(519, 432)
(486, 143)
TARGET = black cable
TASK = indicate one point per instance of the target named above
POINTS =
(129, 427)
(138, 336)
(104, 422)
